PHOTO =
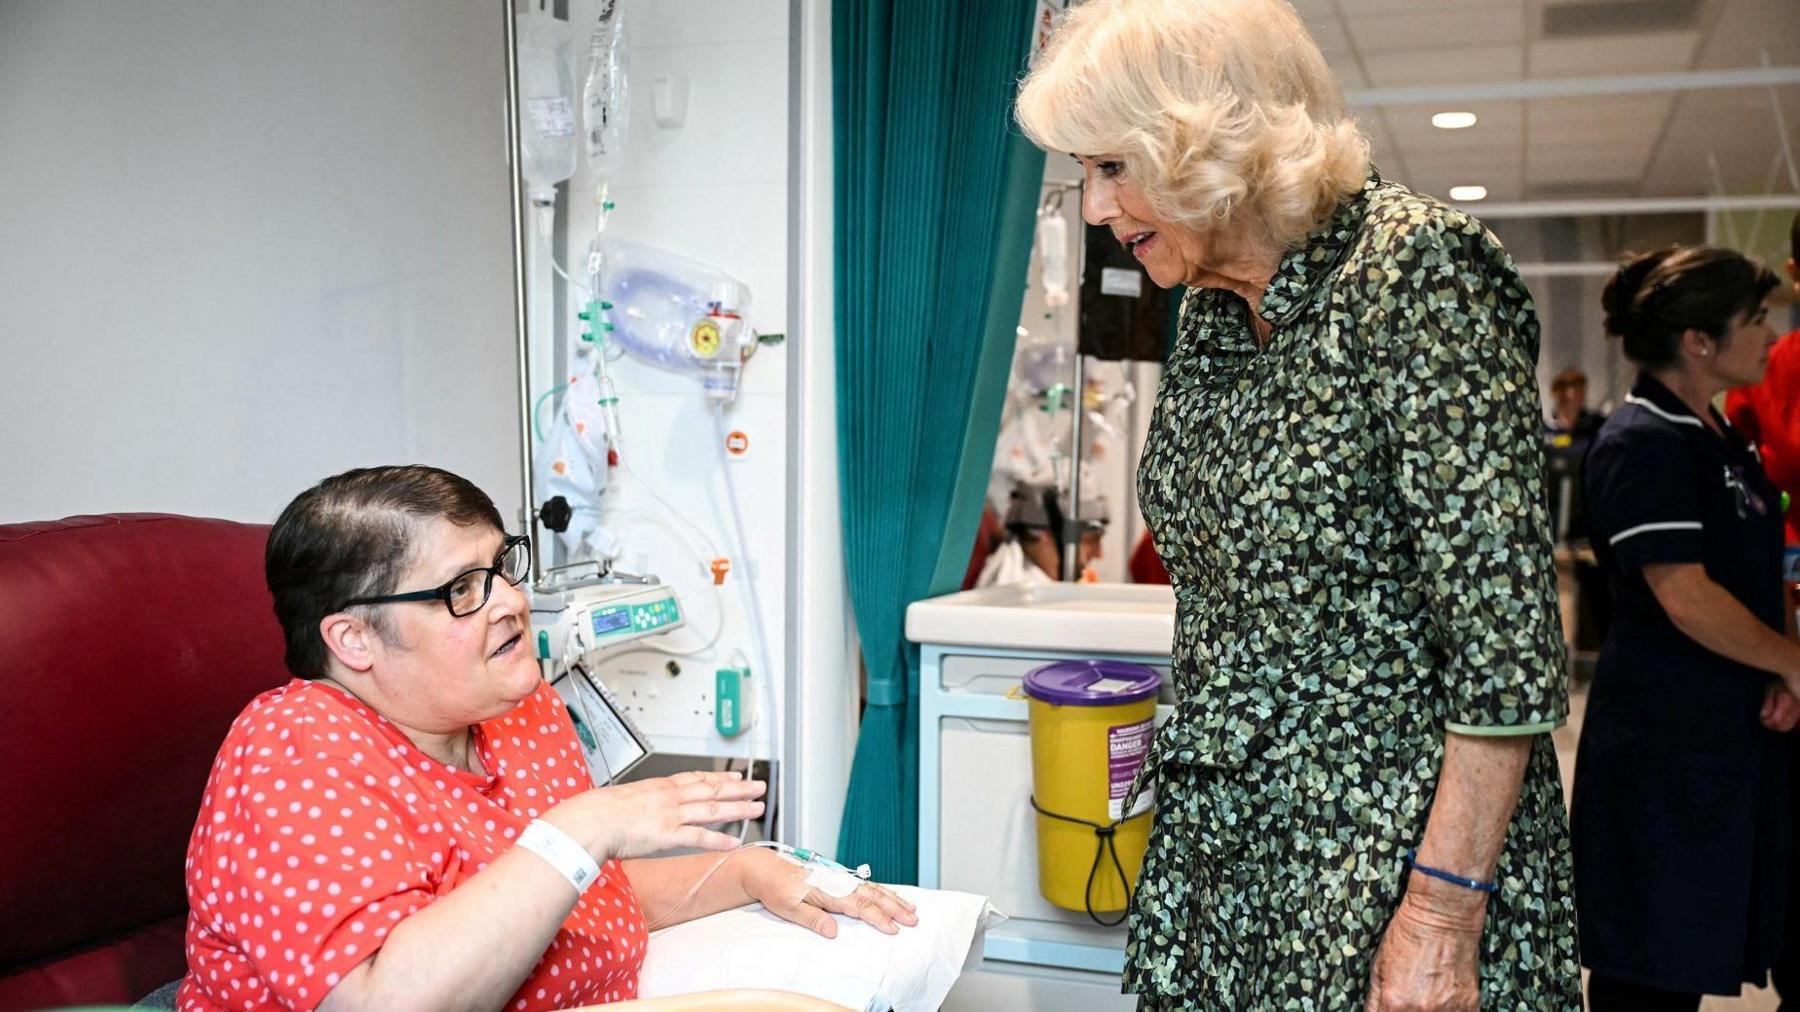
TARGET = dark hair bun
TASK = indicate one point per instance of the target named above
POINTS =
(1621, 297)
(1656, 298)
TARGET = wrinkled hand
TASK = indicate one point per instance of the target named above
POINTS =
(780, 885)
(663, 813)
(1780, 710)
(1429, 957)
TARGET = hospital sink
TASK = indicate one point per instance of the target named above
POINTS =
(1100, 618)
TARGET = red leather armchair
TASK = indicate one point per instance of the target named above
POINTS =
(127, 645)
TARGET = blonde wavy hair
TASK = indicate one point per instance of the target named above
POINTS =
(1223, 111)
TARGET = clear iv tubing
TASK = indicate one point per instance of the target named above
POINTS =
(743, 834)
(718, 603)
(550, 255)
(662, 521)
(753, 612)
(664, 503)
(798, 854)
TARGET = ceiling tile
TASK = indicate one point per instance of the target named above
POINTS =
(1476, 164)
(1439, 187)
(1425, 26)
(1348, 74)
(1327, 30)
(1550, 165)
(1746, 29)
(1495, 122)
(1354, 9)
(1736, 127)
(1648, 53)
(1315, 10)
(1631, 120)
(1402, 67)
(1381, 144)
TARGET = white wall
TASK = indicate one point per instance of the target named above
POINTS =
(247, 245)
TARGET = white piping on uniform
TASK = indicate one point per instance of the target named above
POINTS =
(1660, 413)
(1670, 525)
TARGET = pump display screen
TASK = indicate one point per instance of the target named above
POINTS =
(611, 620)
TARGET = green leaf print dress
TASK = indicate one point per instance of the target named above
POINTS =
(1354, 519)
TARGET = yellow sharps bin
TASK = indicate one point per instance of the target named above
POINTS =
(1091, 726)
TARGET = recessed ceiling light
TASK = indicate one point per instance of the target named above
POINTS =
(1468, 193)
(1453, 120)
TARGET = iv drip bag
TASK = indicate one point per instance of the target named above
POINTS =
(677, 313)
(606, 102)
(546, 105)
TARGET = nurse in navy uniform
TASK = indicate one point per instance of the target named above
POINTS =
(1679, 821)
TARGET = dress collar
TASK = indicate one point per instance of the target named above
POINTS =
(1300, 272)
(1208, 315)
(1649, 394)
(484, 784)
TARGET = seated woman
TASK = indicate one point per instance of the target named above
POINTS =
(410, 822)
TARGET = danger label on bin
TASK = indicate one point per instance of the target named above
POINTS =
(1126, 747)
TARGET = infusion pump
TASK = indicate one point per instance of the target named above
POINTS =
(580, 620)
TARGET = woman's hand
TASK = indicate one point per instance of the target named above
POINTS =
(1429, 957)
(1780, 710)
(664, 813)
(781, 886)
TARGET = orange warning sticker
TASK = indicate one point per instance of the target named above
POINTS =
(737, 444)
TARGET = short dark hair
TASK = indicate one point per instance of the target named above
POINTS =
(1654, 298)
(351, 536)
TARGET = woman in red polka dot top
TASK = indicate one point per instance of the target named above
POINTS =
(410, 823)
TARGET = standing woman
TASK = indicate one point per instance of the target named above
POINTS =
(1680, 784)
(1357, 800)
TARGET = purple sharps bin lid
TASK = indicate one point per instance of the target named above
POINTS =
(1092, 683)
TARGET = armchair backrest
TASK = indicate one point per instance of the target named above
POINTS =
(128, 643)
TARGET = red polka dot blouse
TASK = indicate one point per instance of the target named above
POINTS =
(323, 826)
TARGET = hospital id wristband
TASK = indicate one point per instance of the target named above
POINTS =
(1412, 860)
(569, 858)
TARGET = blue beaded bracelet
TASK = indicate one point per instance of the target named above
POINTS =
(1412, 860)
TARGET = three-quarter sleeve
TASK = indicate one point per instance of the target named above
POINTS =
(1642, 499)
(1454, 364)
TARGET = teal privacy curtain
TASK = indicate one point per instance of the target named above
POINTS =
(934, 209)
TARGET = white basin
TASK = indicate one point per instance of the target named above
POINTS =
(1100, 618)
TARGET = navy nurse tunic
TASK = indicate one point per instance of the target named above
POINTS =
(1679, 832)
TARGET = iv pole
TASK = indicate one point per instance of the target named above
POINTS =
(528, 494)
(1071, 543)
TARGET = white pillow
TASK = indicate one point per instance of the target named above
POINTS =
(861, 968)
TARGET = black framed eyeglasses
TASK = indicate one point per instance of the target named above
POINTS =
(467, 592)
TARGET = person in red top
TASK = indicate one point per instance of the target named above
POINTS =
(410, 822)
(1768, 413)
